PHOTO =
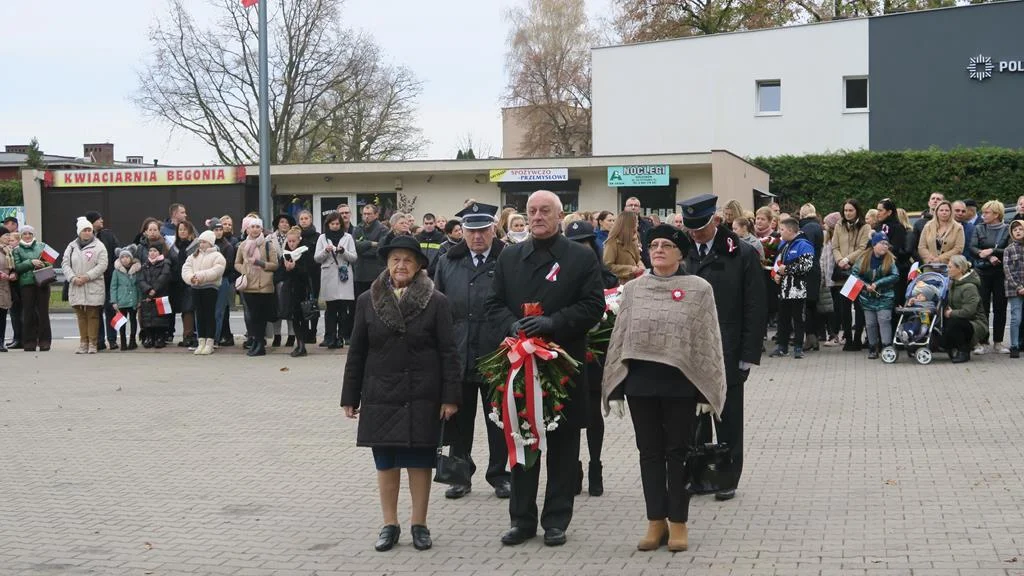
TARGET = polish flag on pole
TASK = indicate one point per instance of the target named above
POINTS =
(249, 3)
(915, 270)
(852, 288)
(118, 321)
(49, 254)
(163, 306)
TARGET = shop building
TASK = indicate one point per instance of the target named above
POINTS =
(126, 196)
(950, 77)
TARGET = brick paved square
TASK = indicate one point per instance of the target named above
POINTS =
(163, 463)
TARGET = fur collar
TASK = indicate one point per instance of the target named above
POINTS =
(133, 270)
(394, 313)
(461, 250)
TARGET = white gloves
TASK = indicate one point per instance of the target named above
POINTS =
(617, 407)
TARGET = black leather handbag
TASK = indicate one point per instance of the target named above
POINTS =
(709, 464)
(310, 308)
(451, 469)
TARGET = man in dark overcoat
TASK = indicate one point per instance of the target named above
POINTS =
(368, 236)
(565, 278)
(464, 274)
(733, 269)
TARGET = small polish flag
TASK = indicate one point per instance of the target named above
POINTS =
(915, 270)
(163, 306)
(118, 321)
(249, 3)
(49, 254)
(852, 288)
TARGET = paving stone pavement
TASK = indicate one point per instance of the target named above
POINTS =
(163, 463)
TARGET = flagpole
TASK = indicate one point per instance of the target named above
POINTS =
(264, 104)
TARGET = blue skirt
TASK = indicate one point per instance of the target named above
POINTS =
(395, 457)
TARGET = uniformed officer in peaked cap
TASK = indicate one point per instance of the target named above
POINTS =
(733, 269)
(464, 274)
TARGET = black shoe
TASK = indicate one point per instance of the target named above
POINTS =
(259, 348)
(456, 492)
(851, 346)
(160, 343)
(516, 536)
(299, 351)
(169, 339)
(1014, 352)
(336, 344)
(387, 538)
(725, 495)
(421, 537)
(15, 345)
(962, 356)
(579, 478)
(289, 342)
(779, 352)
(147, 343)
(595, 480)
(554, 537)
(277, 341)
(133, 344)
(226, 341)
(503, 489)
(101, 346)
(124, 345)
(873, 353)
(326, 343)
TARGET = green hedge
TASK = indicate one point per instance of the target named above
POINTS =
(908, 177)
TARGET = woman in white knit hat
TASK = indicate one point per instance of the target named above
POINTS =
(203, 271)
(85, 261)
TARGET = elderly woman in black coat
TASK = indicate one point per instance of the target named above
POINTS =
(401, 378)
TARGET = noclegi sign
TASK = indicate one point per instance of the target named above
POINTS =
(982, 67)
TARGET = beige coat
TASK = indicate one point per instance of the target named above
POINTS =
(260, 279)
(849, 243)
(621, 260)
(206, 266)
(6, 268)
(680, 329)
(952, 242)
(89, 261)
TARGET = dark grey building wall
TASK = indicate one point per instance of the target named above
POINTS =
(921, 94)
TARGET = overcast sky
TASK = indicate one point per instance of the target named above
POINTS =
(70, 68)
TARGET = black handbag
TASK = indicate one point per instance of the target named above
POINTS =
(840, 276)
(709, 464)
(45, 276)
(310, 309)
(451, 469)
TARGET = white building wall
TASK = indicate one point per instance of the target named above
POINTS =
(700, 93)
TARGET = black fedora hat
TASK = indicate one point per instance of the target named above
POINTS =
(405, 243)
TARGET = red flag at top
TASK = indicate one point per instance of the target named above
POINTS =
(249, 3)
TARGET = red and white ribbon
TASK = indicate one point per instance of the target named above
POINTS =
(522, 354)
(553, 274)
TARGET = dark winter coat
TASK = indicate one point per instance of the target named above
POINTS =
(816, 236)
(369, 266)
(297, 286)
(402, 364)
(156, 277)
(227, 249)
(733, 269)
(109, 240)
(181, 292)
(574, 300)
(430, 244)
(466, 286)
(965, 301)
(897, 234)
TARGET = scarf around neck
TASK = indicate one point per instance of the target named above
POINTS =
(334, 236)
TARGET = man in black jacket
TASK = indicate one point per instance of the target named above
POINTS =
(430, 239)
(106, 236)
(367, 236)
(565, 279)
(464, 274)
(810, 225)
(733, 269)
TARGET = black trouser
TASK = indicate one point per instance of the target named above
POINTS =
(791, 321)
(106, 315)
(595, 425)
(205, 307)
(132, 324)
(771, 295)
(16, 318)
(261, 311)
(812, 320)
(993, 294)
(35, 316)
(465, 421)
(338, 320)
(730, 429)
(562, 461)
(301, 326)
(957, 334)
(664, 436)
(900, 291)
(3, 326)
(851, 315)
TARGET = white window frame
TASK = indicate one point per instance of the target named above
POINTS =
(757, 97)
(864, 110)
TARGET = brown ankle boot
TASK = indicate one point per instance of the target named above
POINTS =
(657, 534)
(678, 538)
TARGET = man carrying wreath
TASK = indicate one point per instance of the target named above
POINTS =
(564, 278)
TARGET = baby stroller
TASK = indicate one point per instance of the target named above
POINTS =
(919, 330)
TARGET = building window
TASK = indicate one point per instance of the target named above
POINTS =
(855, 94)
(769, 97)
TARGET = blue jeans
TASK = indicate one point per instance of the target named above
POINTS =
(1016, 306)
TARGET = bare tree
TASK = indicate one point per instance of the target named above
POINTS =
(548, 64)
(204, 80)
(468, 143)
